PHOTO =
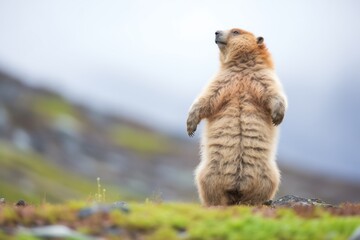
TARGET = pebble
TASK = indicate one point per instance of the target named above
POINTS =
(54, 232)
(21, 203)
(123, 206)
(86, 212)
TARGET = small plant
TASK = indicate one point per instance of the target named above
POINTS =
(100, 196)
(156, 197)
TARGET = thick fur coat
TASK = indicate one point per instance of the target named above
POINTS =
(243, 105)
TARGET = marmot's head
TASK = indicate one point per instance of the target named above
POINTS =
(238, 44)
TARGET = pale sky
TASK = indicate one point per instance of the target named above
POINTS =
(149, 59)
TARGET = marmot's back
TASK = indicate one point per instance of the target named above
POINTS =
(238, 137)
(242, 105)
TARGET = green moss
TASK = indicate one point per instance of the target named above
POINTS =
(164, 233)
(236, 223)
(256, 227)
(53, 106)
(26, 236)
(140, 140)
(8, 215)
(189, 221)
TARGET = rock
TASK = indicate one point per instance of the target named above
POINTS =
(53, 232)
(86, 212)
(2, 201)
(291, 200)
(4, 118)
(356, 234)
(183, 234)
(123, 206)
(268, 202)
(114, 231)
(21, 203)
(22, 139)
(97, 208)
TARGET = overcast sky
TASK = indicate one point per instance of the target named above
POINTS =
(149, 59)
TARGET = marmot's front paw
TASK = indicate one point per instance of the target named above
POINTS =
(278, 111)
(278, 116)
(192, 123)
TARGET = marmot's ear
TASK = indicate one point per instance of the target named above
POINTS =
(259, 40)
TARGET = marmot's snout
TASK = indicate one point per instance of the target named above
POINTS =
(218, 32)
(220, 38)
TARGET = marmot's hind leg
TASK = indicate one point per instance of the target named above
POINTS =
(209, 193)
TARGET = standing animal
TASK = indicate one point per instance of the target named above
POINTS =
(242, 105)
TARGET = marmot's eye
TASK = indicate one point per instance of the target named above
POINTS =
(236, 32)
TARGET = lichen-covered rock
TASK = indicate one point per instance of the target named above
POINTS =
(291, 200)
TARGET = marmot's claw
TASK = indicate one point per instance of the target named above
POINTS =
(191, 132)
(277, 118)
(191, 124)
(278, 113)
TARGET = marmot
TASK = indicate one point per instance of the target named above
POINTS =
(242, 105)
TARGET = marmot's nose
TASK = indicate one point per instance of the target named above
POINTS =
(218, 33)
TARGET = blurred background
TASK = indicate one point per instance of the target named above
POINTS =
(102, 88)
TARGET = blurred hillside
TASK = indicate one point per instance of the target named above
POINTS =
(39, 127)
(54, 149)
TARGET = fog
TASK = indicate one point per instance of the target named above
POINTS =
(149, 59)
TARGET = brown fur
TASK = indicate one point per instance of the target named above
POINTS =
(243, 105)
